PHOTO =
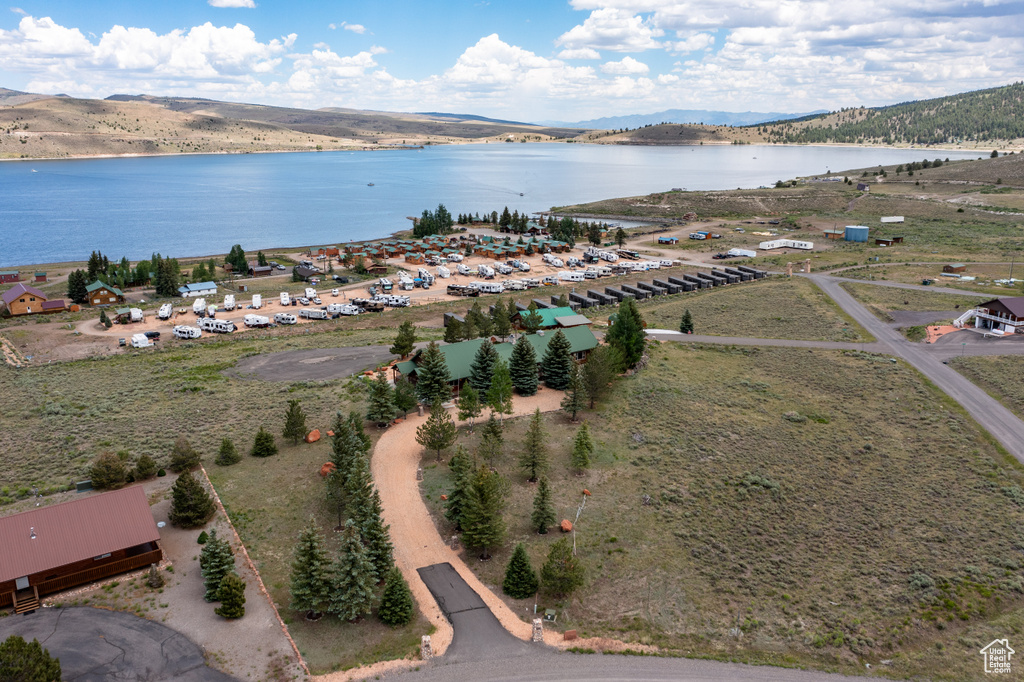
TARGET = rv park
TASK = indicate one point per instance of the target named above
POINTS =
(826, 474)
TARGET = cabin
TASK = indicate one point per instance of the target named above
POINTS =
(101, 294)
(330, 253)
(39, 277)
(459, 356)
(197, 289)
(9, 276)
(888, 241)
(22, 299)
(305, 273)
(668, 240)
(257, 270)
(1005, 315)
(954, 268)
(834, 233)
(61, 546)
(553, 317)
(863, 187)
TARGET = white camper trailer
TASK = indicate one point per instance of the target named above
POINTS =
(141, 341)
(285, 298)
(165, 312)
(313, 314)
(199, 306)
(285, 318)
(135, 314)
(185, 332)
(257, 301)
(256, 320)
(443, 272)
(229, 302)
(570, 276)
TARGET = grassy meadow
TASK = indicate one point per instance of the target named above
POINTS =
(793, 517)
(882, 300)
(1001, 376)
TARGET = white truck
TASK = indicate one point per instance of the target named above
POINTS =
(257, 301)
(141, 341)
(136, 314)
(182, 331)
(256, 320)
(443, 272)
(165, 312)
(199, 306)
(286, 299)
(229, 302)
(313, 314)
(285, 318)
(208, 324)
(343, 309)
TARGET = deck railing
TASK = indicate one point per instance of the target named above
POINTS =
(97, 573)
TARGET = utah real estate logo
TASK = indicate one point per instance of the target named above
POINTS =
(997, 656)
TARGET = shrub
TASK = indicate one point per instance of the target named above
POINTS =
(145, 467)
(27, 661)
(228, 453)
(396, 604)
(232, 597)
(263, 445)
(108, 472)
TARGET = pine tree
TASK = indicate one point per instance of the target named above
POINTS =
(462, 470)
(22, 661)
(438, 432)
(108, 472)
(453, 332)
(381, 409)
(191, 505)
(183, 456)
(556, 366)
(355, 420)
(405, 395)
(543, 513)
(294, 422)
(76, 287)
(534, 457)
(232, 597)
(520, 578)
(522, 367)
(499, 395)
(501, 324)
(405, 340)
(377, 536)
(346, 449)
(482, 524)
(352, 585)
(576, 393)
(228, 453)
(216, 560)
(599, 370)
(263, 444)
(311, 572)
(530, 320)
(686, 325)
(433, 375)
(480, 322)
(396, 604)
(481, 371)
(469, 405)
(627, 335)
(562, 573)
(620, 237)
(582, 450)
(492, 441)
(145, 467)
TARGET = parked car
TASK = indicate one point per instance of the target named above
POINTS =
(303, 300)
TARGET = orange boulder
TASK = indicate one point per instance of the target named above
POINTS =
(326, 469)
(566, 526)
(313, 436)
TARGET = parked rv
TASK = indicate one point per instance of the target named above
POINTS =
(461, 290)
(211, 311)
(455, 258)
(313, 314)
(185, 332)
(343, 309)
(141, 341)
(443, 272)
(485, 271)
(135, 314)
(310, 292)
(488, 287)
(256, 321)
(199, 306)
(571, 276)
(285, 318)
(257, 301)
(286, 299)
(463, 269)
(208, 324)
(229, 302)
(165, 312)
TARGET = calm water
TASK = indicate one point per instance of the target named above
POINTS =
(52, 211)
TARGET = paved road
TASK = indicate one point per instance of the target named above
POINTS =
(1004, 426)
(95, 645)
(483, 650)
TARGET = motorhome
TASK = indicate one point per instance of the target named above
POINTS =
(310, 292)
(426, 276)
(385, 284)
(165, 312)
(549, 281)
(488, 287)
(256, 320)
(185, 332)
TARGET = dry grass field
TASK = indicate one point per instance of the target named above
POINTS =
(1000, 376)
(792, 516)
(883, 300)
(916, 274)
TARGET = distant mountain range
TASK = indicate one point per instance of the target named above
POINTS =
(718, 118)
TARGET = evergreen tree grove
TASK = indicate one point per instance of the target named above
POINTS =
(396, 606)
(522, 367)
(22, 661)
(520, 578)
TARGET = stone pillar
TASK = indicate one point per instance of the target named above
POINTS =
(789, 269)
(426, 653)
(454, 544)
(538, 630)
(807, 266)
(420, 409)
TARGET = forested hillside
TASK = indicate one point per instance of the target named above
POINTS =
(994, 114)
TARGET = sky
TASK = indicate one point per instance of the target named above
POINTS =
(525, 60)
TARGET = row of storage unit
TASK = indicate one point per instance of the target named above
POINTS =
(660, 287)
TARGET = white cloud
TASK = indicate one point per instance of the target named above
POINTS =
(698, 41)
(580, 53)
(612, 29)
(355, 28)
(248, 4)
(627, 66)
(18, 10)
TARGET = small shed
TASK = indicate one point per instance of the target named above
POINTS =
(257, 270)
(954, 267)
(863, 187)
(856, 233)
(40, 277)
(668, 240)
(834, 233)
(9, 276)
(884, 241)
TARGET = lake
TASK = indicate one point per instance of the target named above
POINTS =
(61, 210)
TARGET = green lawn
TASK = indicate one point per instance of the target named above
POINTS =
(819, 508)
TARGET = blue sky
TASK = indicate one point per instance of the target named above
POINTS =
(527, 60)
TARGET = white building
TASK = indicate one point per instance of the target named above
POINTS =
(198, 289)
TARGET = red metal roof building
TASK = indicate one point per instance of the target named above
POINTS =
(53, 548)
